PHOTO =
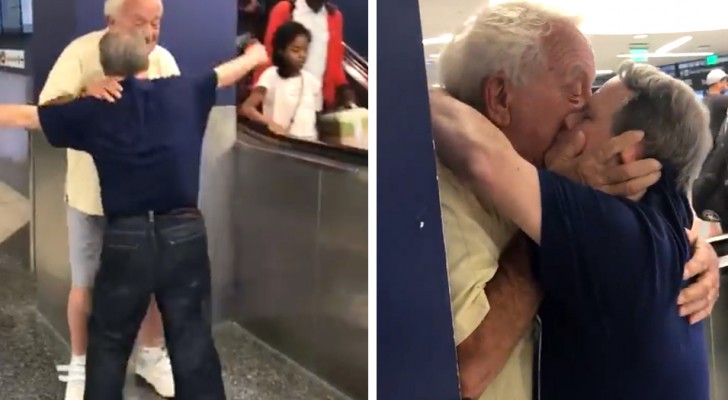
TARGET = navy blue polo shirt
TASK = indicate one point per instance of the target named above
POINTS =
(612, 270)
(146, 146)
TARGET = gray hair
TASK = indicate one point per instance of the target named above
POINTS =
(505, 39)
(113, 7)
(123, 54)
(675, 122)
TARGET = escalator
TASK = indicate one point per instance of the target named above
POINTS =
(356, 68)
(300, 237)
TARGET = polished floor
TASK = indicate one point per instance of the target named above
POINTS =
(29, 351)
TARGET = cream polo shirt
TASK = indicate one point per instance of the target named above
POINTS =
(78, 66)
(475, 236)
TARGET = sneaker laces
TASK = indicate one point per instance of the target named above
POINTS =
(74, 372)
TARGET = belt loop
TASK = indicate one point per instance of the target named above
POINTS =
(151, 216)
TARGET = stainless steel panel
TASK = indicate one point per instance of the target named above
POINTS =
(342, 298)
(718, 342)
(216, 197)
(15, 174)
(301, 260)
(50, 236)
(276, 219)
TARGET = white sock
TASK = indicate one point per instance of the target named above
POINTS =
(150, 353)
(78, 360)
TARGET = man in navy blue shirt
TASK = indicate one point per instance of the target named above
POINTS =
(611, 268)
(147, 149)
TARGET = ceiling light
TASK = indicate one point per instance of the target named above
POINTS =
(674, 44)
(666, 55)
(435, 55)
(442, 39)
(639, 36)
(604, 71)
(436, 85)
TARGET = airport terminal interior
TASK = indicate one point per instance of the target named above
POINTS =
(668, 37)
(286, 215)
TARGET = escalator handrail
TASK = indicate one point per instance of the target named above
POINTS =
(359, 59)
(351, 63)
(356, 74)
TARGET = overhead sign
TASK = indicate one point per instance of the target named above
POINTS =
(711, 60)
(638, 55)
(12, 58)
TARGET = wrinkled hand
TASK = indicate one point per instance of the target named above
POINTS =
(276, 129)
(460, 132)
(698, 299)
(592, 168)
(108, 89)
(257, 53)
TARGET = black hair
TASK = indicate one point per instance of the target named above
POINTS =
(282, 38)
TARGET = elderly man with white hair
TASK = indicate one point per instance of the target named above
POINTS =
(529, 70)
(78, 71)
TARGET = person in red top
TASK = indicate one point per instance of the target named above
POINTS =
(326, 51)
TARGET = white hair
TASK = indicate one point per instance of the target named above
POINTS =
(676, 124)
(505, 38)
(112, 7)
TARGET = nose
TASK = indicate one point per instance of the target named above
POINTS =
(572, 120)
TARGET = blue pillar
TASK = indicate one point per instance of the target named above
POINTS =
(415, 345)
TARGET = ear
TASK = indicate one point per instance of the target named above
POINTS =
(496, 99)
(631, 153)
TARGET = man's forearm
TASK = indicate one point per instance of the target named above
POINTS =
(480, 154)
(514, 300)
(231, 72)
(19, 116)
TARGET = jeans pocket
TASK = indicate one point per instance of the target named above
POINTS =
(119, 261)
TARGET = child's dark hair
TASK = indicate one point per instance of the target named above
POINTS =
(284, 36)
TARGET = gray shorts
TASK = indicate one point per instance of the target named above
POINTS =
(85, 237)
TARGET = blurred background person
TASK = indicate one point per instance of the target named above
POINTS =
(290, 95)
(326, 53)
(715, 100)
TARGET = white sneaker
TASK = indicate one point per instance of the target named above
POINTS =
(154, 366)
(75, 378)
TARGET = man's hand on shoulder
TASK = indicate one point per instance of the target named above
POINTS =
(107, 89)
(697, 300)
(596, 167)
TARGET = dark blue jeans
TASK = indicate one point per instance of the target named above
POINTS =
(164, 255)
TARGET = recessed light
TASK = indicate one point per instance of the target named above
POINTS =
(674, 44)
(639, 36)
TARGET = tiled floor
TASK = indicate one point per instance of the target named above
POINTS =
(29, 352)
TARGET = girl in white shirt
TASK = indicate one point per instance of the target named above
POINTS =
(291, 97)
